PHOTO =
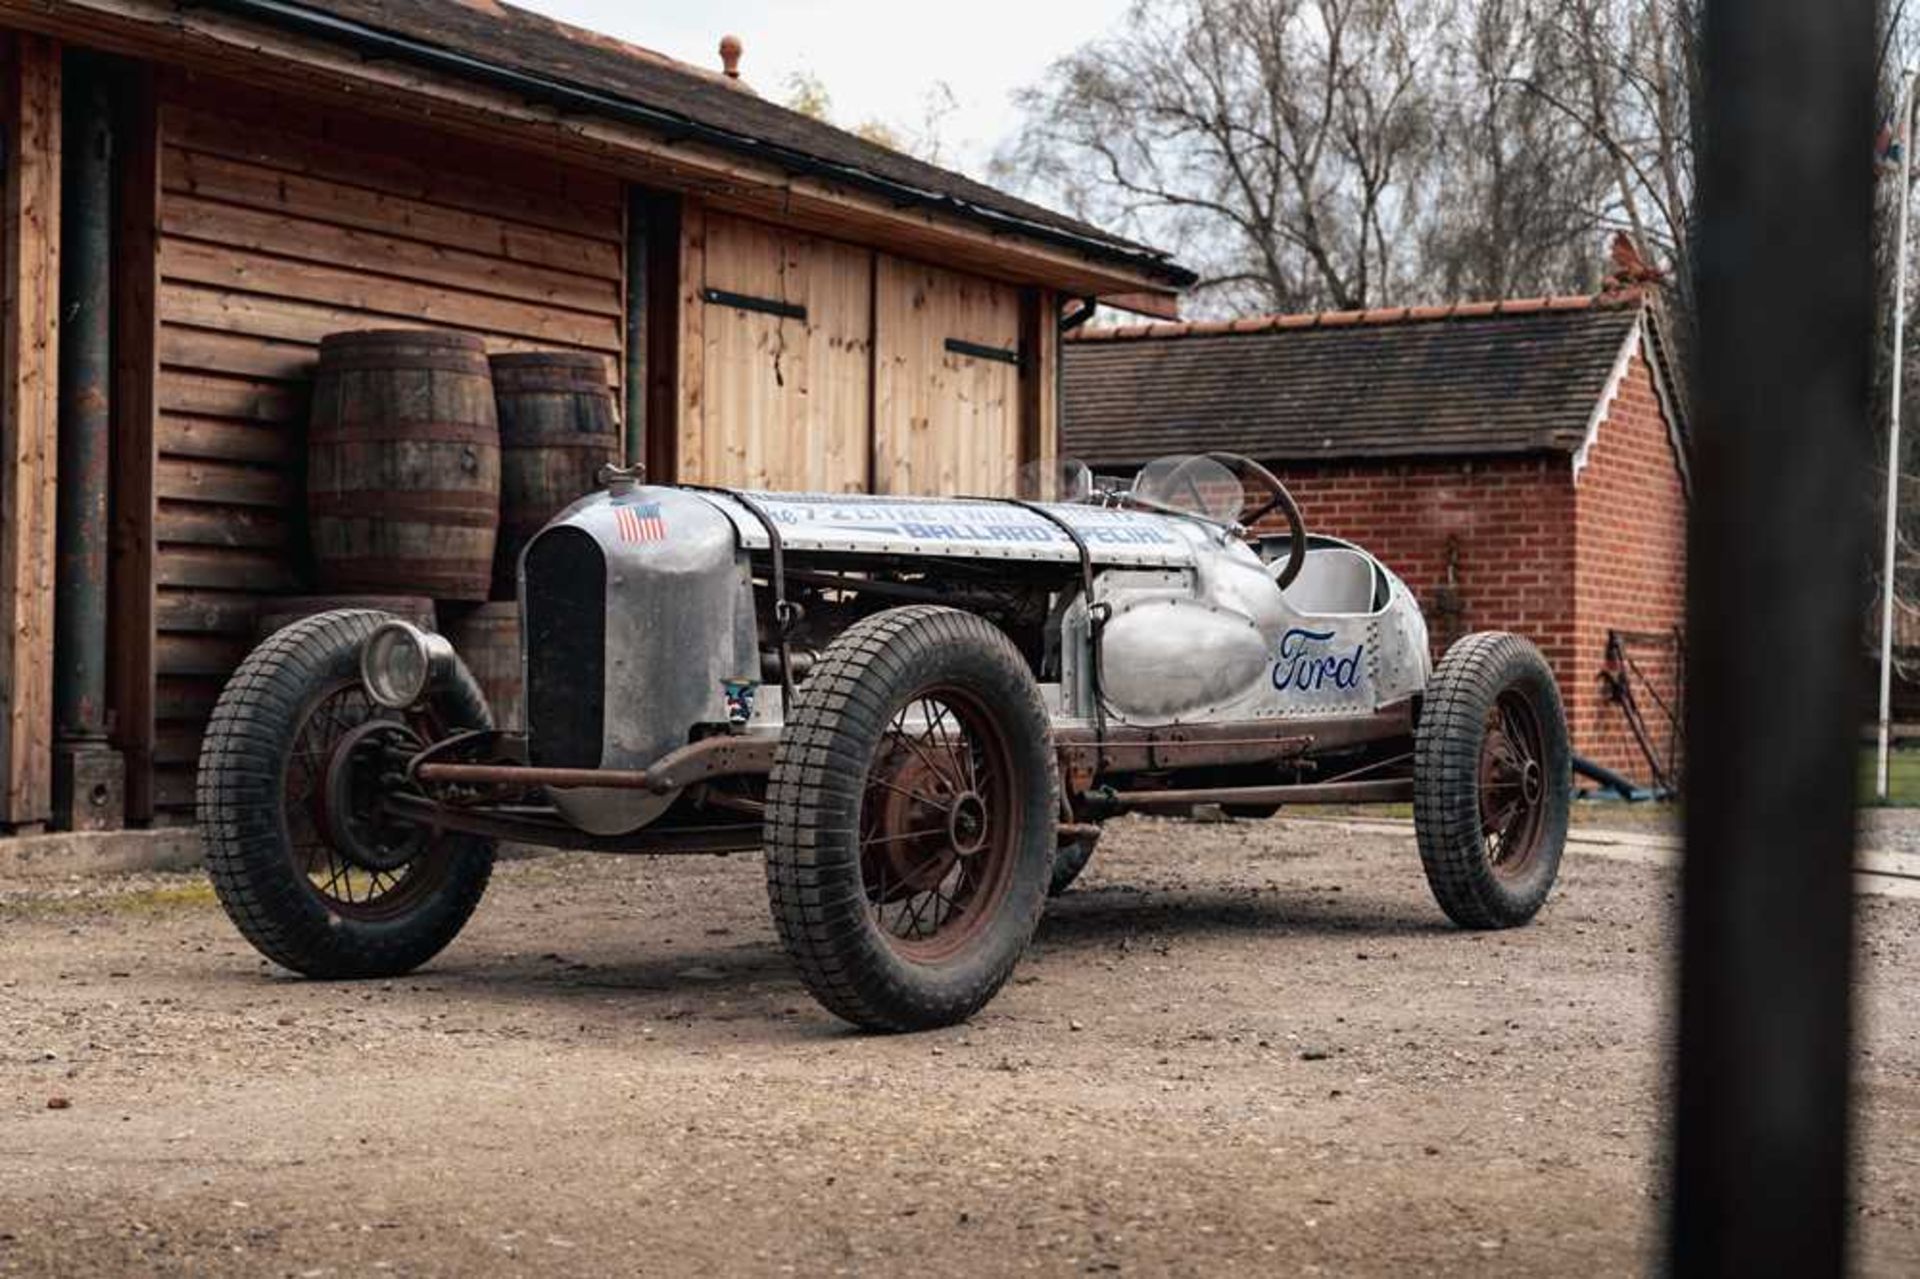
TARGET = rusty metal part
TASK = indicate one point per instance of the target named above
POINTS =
(939, 825)
(489, 744)
(1074, 832)
(335, 726)
(1391, 790)
(349, 814)
(705, 759)
(1139, 750)
(544, 827)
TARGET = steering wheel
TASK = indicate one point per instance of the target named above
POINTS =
(1277, 499)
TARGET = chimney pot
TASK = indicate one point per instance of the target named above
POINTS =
(730, 56)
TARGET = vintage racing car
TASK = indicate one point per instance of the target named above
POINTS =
(920, 709)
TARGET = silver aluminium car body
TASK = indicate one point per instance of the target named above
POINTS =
(1185, 623)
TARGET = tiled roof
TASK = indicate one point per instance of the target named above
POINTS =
(1473, 379)
(500, 35)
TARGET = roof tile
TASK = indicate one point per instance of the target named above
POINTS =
(1473, 379)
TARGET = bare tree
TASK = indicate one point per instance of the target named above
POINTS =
(1344, 152)
(1520, 211)
(1283, 145)
(807, 93)
(1627, 74)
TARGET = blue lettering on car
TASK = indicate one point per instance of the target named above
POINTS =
(1303, 664)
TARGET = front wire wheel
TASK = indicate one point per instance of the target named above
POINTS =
(360, 866)
(300, 855)
(936, 831)
(910, 819)
(1492, 781)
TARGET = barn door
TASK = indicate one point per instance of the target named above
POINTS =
(786, 324)
(947, 382)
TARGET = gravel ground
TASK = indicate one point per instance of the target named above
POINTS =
(1237, 1048)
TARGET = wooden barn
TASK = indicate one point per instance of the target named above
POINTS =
(1522, 464)
(196, 194)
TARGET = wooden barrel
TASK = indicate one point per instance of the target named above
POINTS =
(403, 465)
(287, 609)
(557, 428)
(487, 637)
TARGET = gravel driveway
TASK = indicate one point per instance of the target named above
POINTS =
(1237, 1048)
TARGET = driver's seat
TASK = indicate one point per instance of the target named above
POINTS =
(1333, 579)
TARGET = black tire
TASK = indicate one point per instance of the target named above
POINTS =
(847, 742)
(263, 837)
(1068, 861)
(1493, 780)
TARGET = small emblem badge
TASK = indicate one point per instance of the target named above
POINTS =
(641, 523)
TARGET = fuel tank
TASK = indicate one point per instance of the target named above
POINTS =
(636, 608)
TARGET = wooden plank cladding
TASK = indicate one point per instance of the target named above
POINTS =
(806, 363)
(280, 222)
(946, 395)
(29, 383)
(782, 341)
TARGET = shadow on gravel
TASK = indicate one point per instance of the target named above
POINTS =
(1096, 917)
(751, 985)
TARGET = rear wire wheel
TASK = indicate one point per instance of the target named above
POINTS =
(1492, 781)
(911, 818)
(302, 859)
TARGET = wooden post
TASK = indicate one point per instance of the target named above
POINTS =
(635, 301)
(690, 390)
(1039, 382)
(136, 370)
(29, 446)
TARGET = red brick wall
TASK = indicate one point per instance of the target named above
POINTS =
(1484, 545)
(1630, 574)
(1536, 552)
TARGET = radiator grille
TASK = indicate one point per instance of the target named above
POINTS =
(566, 625)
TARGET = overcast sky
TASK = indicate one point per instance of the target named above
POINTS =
(877, 60)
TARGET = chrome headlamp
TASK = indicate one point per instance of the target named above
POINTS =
(400, 662)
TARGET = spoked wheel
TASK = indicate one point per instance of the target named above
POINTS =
(937, 834)
(910, 819)
(362, 865)
(305, 861)
(1492, 781)
(1513, 784)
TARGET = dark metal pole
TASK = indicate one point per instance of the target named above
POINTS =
(89, 778)
(635, 381)
(86, 424)
(1779, 545)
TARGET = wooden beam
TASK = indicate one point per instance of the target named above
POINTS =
(1158, 306)
(29, 444)
(691, 384)
(664, 266)
(131, 670)
(636, 260)
(206, 40)
(1039, 376)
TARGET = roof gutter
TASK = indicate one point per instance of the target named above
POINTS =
(677, 127)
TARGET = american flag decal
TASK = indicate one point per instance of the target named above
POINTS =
(641, 523)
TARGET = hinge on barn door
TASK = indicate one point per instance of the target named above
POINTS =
(980, 351)
(746, 302)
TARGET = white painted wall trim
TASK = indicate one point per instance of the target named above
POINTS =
(1624, 361)
(1657, 368)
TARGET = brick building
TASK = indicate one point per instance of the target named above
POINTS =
(1522, 464)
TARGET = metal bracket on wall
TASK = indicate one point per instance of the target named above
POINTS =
(746, 302)
(976, 350)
